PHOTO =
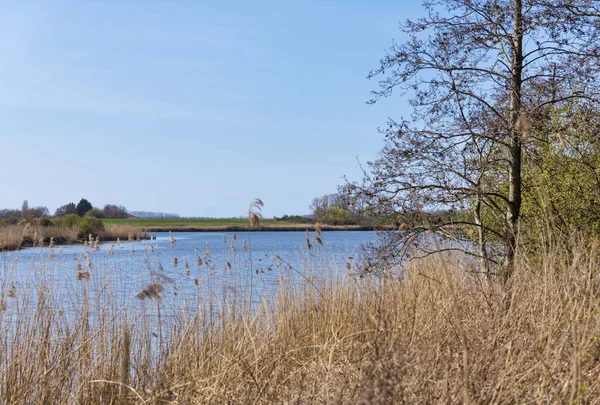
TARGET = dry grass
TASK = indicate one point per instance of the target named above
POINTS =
(13, 237)
(123, 232)
(17, 236)
(438, 335)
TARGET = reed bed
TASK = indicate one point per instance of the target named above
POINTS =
(123, 232)
(437, 333)
(14, 237)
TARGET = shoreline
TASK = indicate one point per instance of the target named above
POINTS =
(146, 233)
(263, 228)
(27, 243)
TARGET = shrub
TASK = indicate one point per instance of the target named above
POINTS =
(71, 220)
(12, 220)
(337, 216)
(90, 225)
(95, 213)
(45, 222)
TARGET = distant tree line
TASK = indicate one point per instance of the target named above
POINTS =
(14, 215)
(34, 212)
(333, 209)
(150, 214)
(85, 208)
(297, 219)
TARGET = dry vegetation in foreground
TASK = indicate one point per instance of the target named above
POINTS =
(14, 237)
(439, 335)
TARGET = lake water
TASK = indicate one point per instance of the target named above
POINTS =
(194, 265)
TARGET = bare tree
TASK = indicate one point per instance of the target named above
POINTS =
(38, 212)
(479, 72)
(66, 209)
(115, 212)
(9, 213)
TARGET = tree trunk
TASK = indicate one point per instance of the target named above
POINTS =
(483, 257)
(514, 176)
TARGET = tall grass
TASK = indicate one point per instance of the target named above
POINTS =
(437, 334)
(13, 237)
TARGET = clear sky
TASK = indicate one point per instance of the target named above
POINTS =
(190, 107)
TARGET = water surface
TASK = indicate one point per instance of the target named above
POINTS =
(194, 265)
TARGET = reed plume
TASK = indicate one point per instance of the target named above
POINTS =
(151, 291)
(254, 213)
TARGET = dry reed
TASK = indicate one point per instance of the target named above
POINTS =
(438, 334)
(13, 237)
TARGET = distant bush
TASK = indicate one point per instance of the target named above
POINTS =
(70, 220)
(95, 213)
(337, 216)
(84, 226)
(8, 221)
(45, 222)
(90, 226)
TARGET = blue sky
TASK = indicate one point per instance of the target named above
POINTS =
(190, 107)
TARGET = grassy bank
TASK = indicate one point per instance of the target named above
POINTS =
(222, 225)
(13, 237)
(440, 335)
